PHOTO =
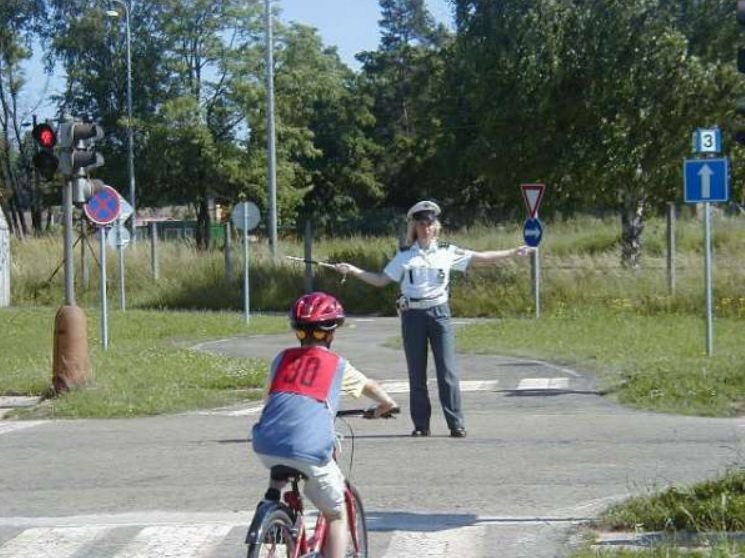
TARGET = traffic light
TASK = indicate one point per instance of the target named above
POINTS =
(78, 156)
(45, 161)
(77, 140)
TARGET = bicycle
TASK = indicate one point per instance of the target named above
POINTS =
(278, 528)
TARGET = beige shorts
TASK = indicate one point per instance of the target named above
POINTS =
(325, 484)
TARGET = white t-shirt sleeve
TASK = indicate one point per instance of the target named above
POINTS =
(460, 258)
(353, 381)
(395, 270)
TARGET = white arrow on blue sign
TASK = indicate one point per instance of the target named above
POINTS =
(532, 232)
(706, 180)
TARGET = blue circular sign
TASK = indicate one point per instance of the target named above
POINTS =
(532, 232)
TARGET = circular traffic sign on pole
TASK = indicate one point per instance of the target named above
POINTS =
(532, 232)
(104, 207)
(245, 216)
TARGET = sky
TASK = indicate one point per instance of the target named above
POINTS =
(350, 25)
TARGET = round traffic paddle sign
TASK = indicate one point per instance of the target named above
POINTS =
(104, 207)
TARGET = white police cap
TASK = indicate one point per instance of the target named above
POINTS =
(424, 205)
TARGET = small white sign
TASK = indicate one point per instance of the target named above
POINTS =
(707, 140)
(118, 236)
(126, 211)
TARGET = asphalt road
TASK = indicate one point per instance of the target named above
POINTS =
(544, 454)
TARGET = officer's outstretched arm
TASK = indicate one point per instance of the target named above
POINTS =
(491, 256)
(374, 279)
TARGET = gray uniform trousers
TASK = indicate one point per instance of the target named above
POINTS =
(433, 325)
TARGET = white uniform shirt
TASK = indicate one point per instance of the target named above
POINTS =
(425, 273)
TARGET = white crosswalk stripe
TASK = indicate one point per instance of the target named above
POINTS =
(464, 541)
(222, 536)
(45, 542)
(530, 384)
(180, 541)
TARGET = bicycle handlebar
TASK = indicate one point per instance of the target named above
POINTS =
(367, 413)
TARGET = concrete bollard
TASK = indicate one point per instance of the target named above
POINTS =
(71, 367)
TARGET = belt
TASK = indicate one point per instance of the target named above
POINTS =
(424, 303)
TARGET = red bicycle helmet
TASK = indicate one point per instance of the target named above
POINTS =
(317, 310)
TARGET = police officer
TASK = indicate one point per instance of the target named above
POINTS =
(423, 271)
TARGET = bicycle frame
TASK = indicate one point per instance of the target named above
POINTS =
(305, 544)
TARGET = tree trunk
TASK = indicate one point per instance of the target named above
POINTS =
(204, 229)
(632, 221)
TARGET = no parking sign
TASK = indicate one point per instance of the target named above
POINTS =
(104, 207)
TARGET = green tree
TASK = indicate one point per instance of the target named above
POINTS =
(403, 78)
(18, 20)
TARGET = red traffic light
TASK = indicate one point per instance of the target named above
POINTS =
(45, 136)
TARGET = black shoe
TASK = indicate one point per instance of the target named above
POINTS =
(418, 432)
(459, 432)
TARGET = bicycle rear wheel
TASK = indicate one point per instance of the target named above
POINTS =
(276, 537)
(356, 525)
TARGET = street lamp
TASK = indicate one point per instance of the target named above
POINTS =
(130, 138)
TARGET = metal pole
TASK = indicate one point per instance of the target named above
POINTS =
(671, 247)
(537, 281)
(229, 252)
(245, 262)
(154, 250)
(271, 141)
(84, 269)
(707, 272)
(120, 247)
(130, 134)
(68, 249)
(308, 253)
(104, 299)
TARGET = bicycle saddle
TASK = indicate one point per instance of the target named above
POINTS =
(285, 473)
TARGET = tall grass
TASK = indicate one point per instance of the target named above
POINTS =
(580, 265)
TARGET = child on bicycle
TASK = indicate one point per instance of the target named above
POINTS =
(296, 427)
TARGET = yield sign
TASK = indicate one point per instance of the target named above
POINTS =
(533, 195)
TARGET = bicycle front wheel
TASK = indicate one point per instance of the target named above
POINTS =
(276, 537)
(356, 525)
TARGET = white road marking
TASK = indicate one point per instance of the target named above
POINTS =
(391, 386)
(465, 541)
(6, 427)
(185, 541)
(562, 369)
(197, 535)
(398, 386)
(41, 542)
(530, 384)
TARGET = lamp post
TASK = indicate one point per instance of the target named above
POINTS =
(130, 137)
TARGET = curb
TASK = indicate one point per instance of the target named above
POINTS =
(8, 403)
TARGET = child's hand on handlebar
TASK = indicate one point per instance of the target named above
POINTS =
(383, 410)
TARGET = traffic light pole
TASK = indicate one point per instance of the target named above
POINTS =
(68, 248)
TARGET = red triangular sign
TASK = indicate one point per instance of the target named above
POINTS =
(533, 195)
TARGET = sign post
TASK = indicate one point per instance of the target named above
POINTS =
(120, 240)
(533, 234)
(103, 209)
(245, 216)
(706, 181)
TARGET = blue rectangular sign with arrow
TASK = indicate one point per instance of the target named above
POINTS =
(706, 180)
